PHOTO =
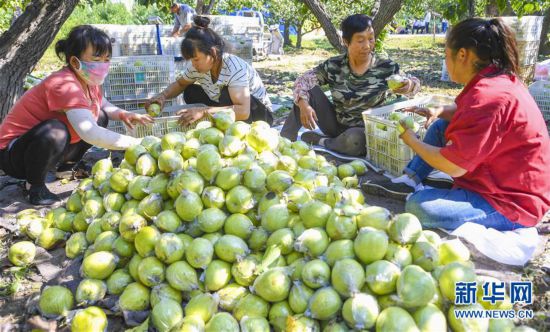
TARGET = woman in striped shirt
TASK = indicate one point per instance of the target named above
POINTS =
(219, 80)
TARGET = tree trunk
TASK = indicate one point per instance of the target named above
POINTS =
(22, 46)
(209, 7)
(200, 7)
(299, 31)
(508, 11)
(544, 46)
(382, 18)
(471, 8)
(491, 9)
(319, 11)
(286, 34)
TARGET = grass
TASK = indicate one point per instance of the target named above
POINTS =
(422, 57)
(49, 62)
(12, 282)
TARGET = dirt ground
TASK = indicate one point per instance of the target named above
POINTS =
(19, 288)
(420, 57)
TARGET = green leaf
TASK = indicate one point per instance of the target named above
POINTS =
(501, 5)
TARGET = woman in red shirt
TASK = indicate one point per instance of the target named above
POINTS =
(493, 142)
(55, 122)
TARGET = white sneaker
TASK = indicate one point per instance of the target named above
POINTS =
(405, 179)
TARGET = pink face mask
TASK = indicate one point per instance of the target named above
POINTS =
(94, 73)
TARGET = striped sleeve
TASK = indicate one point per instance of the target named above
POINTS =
(188, 73)
(238, 71)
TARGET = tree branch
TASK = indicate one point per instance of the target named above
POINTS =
(22, 46)
(375, 8)
(319, 11)
(311, 30)
(382, 18)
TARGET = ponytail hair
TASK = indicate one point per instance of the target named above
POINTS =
(492, 41)
(201, 38)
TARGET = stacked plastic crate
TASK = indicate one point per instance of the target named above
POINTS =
(132, 80)
(528, 30)
(240, 46)
(130, 40)
(134, 40)
(540, 90)
(242, 35)
(171, 46)
(141, 40)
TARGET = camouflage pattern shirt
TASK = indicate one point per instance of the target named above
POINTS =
(351, 94)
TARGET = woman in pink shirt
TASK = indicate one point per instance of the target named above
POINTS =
(493, 141)
(54, 123)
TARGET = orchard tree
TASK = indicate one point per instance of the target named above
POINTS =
(24, 43)
(291, 13)
(330, 14)
(204, 7)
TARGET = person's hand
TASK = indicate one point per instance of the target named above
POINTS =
(159, 99)
(430, 113)
(407, 136)
(308, 117)
(130, 119)
(191, 115)
(406, 88)
(186, 28)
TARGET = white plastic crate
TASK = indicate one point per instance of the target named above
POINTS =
(384, 147)
(527, 28)
(180, 65)
(540, 91)
(167, 122)
(229, 25)
(240, 46)
(171, 46)
(121, 31)
(138, 45)
(138, 77)
(138, 49)
(138, 106)
(528, 52)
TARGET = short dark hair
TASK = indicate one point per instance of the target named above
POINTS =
(79, 39)
(492, 41)
(174, 4)
(201, 38)
(353, 24)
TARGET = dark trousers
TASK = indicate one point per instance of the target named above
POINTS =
(341, 138)
(44, 146)
(194, 94)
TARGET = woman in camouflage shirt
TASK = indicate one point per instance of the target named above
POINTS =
(356, 80)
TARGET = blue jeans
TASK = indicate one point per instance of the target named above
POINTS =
(417, 168)
(449, 208)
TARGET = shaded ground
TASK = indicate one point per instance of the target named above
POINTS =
(20, 287)
(418, 56)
